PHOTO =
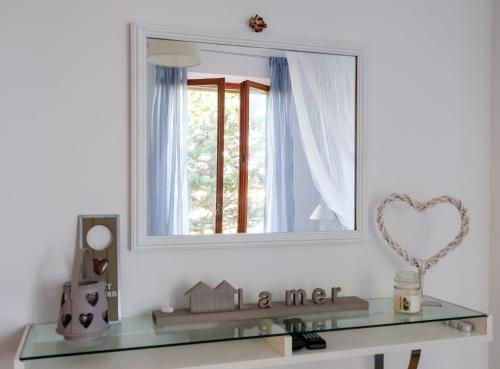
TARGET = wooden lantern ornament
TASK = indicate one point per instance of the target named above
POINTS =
(84, 308)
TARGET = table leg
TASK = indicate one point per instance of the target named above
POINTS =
(379, 361)
(414, 360)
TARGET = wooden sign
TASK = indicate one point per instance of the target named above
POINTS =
(105, 261)
(218, 304)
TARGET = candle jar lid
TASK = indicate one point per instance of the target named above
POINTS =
(407, 280)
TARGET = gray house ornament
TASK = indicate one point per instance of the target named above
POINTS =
(203, 299)
(198, 295)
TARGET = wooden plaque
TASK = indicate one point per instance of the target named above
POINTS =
(252, 311)
(107, 256)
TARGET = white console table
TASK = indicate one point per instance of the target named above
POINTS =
(138, 343)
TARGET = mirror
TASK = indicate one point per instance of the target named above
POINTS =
(238, 139)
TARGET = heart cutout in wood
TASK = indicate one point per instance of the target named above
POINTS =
(100, 265)
(92, 298)
(86, 319)
(423, 265)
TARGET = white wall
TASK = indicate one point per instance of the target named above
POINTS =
(64, 150)
(495, 193)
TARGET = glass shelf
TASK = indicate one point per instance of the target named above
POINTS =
(140, 332)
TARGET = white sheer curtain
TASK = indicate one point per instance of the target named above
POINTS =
(324, 91)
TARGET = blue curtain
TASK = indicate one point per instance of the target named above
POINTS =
(167, 154)
(279, 213)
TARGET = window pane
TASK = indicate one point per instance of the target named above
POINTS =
(256, 160)
(231, 161)
(202, 158)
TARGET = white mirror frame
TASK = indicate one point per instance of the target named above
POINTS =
(140, 241)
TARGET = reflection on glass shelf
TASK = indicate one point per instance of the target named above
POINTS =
(140, 332)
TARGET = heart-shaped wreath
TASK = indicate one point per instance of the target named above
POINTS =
(423, 264)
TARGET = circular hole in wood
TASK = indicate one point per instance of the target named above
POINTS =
(99, 237)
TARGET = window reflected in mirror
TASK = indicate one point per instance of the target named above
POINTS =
(249, 140)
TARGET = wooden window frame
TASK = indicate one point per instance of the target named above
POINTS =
(219, 181)
(231, 86)
(244, 91)
(245, 87)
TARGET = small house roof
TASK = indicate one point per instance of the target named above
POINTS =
(224, 286)
(199, 287)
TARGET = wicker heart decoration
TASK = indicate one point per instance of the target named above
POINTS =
(423, 265)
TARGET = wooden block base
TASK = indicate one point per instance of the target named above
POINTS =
(278, 309)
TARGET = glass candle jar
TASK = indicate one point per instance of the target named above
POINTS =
(407, 292)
